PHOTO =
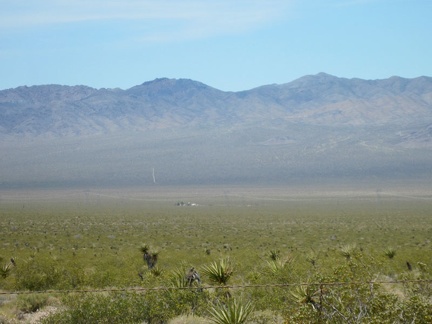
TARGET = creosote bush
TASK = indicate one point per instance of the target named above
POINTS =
(32, 302)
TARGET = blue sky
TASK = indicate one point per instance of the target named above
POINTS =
(231, 45)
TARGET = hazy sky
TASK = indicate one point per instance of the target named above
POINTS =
(228, 44)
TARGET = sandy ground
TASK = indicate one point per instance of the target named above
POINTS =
(34, 318)
(412, 190)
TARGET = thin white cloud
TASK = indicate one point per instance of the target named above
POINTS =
(188, 18)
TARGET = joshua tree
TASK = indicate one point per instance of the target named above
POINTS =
(150, 258)
(193, 276)
(274, 254)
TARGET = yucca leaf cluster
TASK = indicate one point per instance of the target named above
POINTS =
(233, 312)
(219, 272)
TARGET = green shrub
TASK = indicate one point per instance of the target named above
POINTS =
(37, 275)
(111, 308)
(130, 307)
(30, 303)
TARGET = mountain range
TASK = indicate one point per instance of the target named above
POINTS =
(314, 128)
(164, 103)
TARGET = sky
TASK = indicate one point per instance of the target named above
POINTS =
(231, 45)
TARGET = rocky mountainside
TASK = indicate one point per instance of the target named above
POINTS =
(165, 103)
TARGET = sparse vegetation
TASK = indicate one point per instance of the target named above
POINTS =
(93, 245)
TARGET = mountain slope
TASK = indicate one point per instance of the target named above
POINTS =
(166, 103)
(318, 129)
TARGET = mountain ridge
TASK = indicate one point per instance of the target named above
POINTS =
(164, 102)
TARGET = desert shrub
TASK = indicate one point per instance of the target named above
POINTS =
(187, 296)
(188, 319)
(264, 317)
(37, 275)
(416, 309)
(187, 301)
(111, 308)
(32, 302)
(130, 307)
(273, 299)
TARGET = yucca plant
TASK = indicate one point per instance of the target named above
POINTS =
(233, 312)
(156, 271)
(274, 254)
(348, 251)
(305, 294)
(6, 270)
(219, 272)
(278, 265)
(144, 248)
(150, 258)
(390, 253)
(178, 278)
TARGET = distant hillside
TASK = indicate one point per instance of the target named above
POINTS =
(316, 130)
(164, 103)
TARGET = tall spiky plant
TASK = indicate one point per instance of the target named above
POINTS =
(156, 271)
(6, 270)
(219, 272)
(306, 294)
(279, 264)
(390, 253)
(233, 312)
(274, 255)
(348, 251)
(178, 278)
(144, 248)
(150, 258)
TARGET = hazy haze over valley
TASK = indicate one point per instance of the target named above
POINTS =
(319, 129)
